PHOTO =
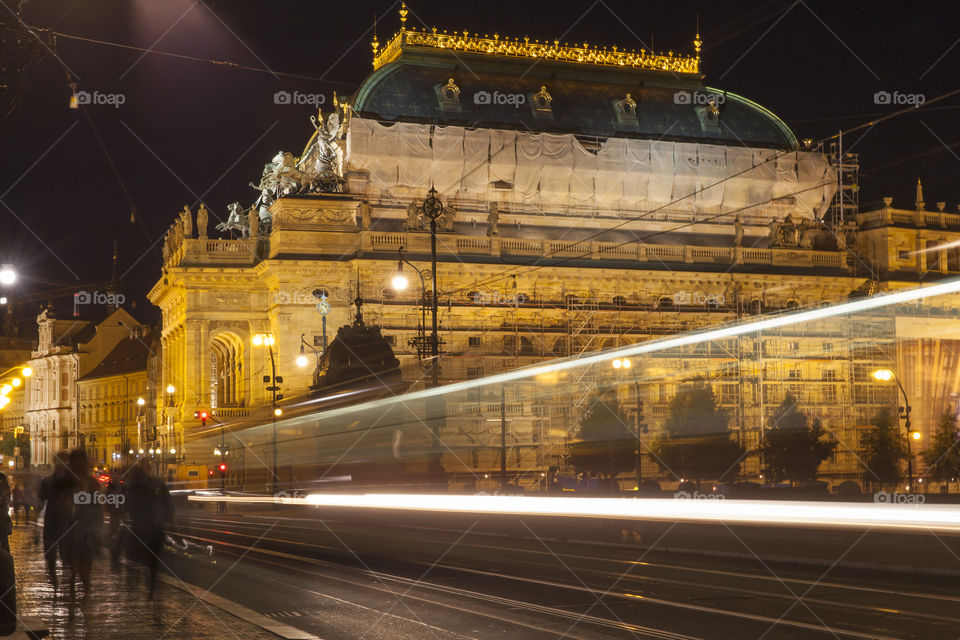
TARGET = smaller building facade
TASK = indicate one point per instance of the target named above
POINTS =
(116, 407)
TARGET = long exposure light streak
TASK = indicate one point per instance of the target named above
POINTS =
(763, 512)
(691, 338)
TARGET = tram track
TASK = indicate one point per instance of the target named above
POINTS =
(235, 534)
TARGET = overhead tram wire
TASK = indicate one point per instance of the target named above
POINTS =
(644, 215)
(182, 56)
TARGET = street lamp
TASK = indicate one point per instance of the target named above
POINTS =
(265, 339)
(885, 375)
(622, 364)
(7, 274)
(302, 359)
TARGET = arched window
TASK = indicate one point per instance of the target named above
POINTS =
(226, 368)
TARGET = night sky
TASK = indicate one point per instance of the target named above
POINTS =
(190, 130)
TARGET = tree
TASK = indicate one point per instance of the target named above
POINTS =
(695, 442)
(793, 448)
(605, 442)
(943, 456)
(884, 448)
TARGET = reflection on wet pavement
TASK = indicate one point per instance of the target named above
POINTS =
(118, 606)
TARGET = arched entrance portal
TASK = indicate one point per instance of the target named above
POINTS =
(226, 371)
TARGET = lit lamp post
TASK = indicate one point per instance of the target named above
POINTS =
(267, 340)
(303, 361)
(622, 364)
(432, 209)
(885, 375)
(7, 274)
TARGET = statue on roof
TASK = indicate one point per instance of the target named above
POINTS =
(414, 220)
(323, 159)
(235, 221)
(493, 220)
(186, 218)
(202, 218)
(737, 232)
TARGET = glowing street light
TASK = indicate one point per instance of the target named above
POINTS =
(622, 363)
(885, 375)
(27, 372)
(141, 401)
(7, 274)
(302, 360)
(171, 389)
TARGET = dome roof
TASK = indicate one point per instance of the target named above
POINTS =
(438, 86)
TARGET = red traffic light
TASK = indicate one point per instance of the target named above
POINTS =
(222, 467)
(201, 416)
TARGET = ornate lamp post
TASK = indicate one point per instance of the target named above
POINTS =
(432, 209)
(622, 364)
(267, 340)
(885, 375)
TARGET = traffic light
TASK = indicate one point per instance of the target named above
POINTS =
(223, 468)
(640, 423)
(201, 416)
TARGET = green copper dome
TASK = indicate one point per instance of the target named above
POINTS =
(481, 90)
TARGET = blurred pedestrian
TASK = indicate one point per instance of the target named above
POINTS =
(6, 525)
(18, 502)
(56, 497)
(82, 539)
(114, 501)
(150, 509)
(29, 503)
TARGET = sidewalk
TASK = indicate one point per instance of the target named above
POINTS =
(118, 607)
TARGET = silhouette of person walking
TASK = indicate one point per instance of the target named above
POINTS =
(56, 497)
(150, 509)
(86, 522)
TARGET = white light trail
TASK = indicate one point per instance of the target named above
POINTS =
(755, 512)
(695, 337)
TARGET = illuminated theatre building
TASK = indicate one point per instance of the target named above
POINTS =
(592, 198)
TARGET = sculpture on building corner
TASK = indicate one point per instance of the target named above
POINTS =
(186, 218)
(493, 220)
(202, 221)
(366, 215)
(414, 220)
(234, 220)
(737, 232)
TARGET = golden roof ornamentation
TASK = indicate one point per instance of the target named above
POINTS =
(517, 48)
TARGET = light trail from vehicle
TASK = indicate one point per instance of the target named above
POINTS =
(882, 515)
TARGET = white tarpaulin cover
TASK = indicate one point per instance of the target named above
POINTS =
(555, 169)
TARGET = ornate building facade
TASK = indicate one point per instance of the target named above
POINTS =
(592, 199)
